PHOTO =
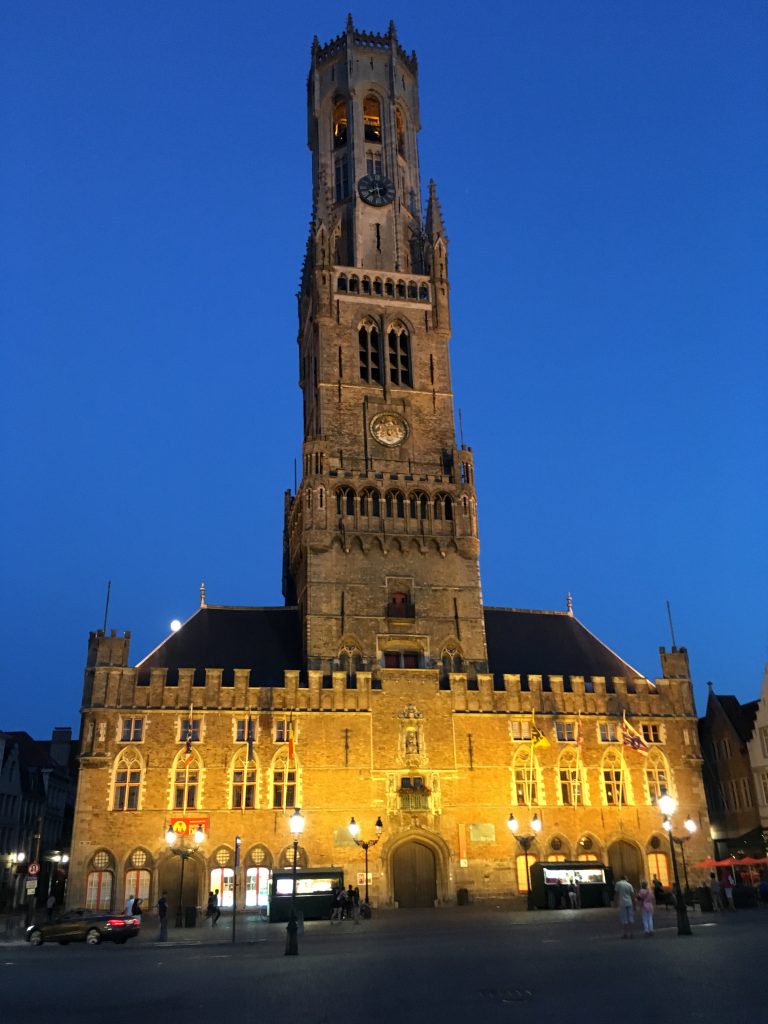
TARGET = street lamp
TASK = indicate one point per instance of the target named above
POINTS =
(668, 806)
(526, 842)
(184, 852)
(354, 831)
(296, 825)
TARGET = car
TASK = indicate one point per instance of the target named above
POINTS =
(91, 926)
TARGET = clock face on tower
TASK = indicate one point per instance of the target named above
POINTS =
(389, 429)
(376, 189)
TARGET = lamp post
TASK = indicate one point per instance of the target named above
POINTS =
(296, 825)
(354, 831)
(668, 806)
(526, 842)
(184, 852)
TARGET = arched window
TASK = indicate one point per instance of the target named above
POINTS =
(377, 286)
(370, 355)
(341, 178)
(443, 507)
(186, 782)
(614, 781)
(372, 119)
(354, 284)
(418, 506)
(244, 779)
(366, 286)
(339, 124)
(345, 501)
(257, 877)
(127, 787)
(98, 885)
(395, 505)
(412, 291)
(452, 661)
(658, 864)
(370, 505)
(400, 288)
(137, 882)
(341, 283)
(522, 871)
(656, 776)
(399, 356)
(569, 779)
(223, 879)
(525, 781)
(283, 781)
(400, 129)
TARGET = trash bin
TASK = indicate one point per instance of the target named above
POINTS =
(190, 917)
(462, 897)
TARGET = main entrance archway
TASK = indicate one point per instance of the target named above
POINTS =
(624, 859)
(414, 875)
(170, 876)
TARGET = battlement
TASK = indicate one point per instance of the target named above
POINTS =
(364, 41)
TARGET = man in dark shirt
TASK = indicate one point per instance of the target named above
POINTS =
(162, 913)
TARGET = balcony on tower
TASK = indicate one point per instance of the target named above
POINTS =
(400, 607)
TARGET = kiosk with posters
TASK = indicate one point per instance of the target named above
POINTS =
(314, 893)
(550, 882)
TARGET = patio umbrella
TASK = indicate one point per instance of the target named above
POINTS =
(708, 863)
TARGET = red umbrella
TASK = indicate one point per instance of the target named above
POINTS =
(708, 863)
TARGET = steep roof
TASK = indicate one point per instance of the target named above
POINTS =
(741, 716)
(548, 643)
(265, 640)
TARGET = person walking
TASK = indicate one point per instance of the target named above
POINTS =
(353, 904)
(715, 891)
(210, 906)
(136, 907)
(647, 902)
(216, 908)
(338, 905)
(129, 905)
(573, 895)
(162, 913)
(728, 884)
(624, 899)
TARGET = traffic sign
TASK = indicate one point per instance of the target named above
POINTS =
(34, 868)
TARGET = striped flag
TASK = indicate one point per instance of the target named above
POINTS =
(538, 739)
(631, 738)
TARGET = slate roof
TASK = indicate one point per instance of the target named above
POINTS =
(547, 643)
(741, 716)
(268, 641)
(265, 640)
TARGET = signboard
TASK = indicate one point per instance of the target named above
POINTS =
(188, 826)
(31, 886)
(34, 868)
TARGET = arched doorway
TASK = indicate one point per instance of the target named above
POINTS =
(414, 875)
(170, 875)
(624, 859)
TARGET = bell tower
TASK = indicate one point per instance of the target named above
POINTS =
(381, 539)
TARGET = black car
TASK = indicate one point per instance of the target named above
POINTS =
(88, 926)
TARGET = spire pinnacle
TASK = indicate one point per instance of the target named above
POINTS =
(202, 594)
(569, 603)
(434, 224)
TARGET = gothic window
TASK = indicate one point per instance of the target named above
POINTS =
(341, 178)
(614, 783)
(524, 862)
(525, 777)
(423, 293)
(377, 286)
(283, 783)
(127, 782)
(345, 501)
(186, 782)
(244, 774)
(569, 780)
(341, 284)
(373, 161)
(370, 356)
(370, 504)
(452, 661)
(98, 890)
(418, 506)
(401, 289)
(339, 124)
(656, 776)
(137, 881)
(395, 505)
(443, 507)
(412, 290)
(372, 119)
(658, 865)
(354, 284)
(399, 356)
(366, 286)
(389, 288)
(400, 129)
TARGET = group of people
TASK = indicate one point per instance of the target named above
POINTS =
(213, 910)
(346, 904)
(626, 899)
(133, 906)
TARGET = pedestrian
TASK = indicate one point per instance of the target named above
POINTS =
(129, 905)
(210, 906)
(136, 908)
(728, 884)
(647, 903)
(658, 891)
(353, 904)
(50, 906)
(716, 891)
(339, 903)
(216, 908)
(162, 913)
(624, 899)
(573, 895)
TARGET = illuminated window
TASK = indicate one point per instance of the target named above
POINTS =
(565, 731)
(372, 119)
(223, 879)
(522, 872)
(186, 782)
(370, 355)
(243, 782)
(127, 783)
(98, 890)
(556, 858)
(339, 124)
(283, 783)
(132, 730)
(189, 729)
(524, 774)
(614, 788)
(658, 864)
(608, 732)
(587, 857)
(257, 887)
(656, 776)
(570, 783)
(137, 885)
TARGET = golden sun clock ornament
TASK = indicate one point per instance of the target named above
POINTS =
(389, 429)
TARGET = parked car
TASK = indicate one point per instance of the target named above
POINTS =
(89, 926)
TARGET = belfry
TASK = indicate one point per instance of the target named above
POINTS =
(383, 689)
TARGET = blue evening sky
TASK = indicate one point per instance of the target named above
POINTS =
(602, 171)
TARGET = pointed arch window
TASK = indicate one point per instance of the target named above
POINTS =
(614, 781)
(341, 178)
(127, 787)
(399, 346)
(186, 781)
(443, 507)
(345, 501)
(525, 781)
(395, 505)
(418, 506)
(370, 504)
(370, 354)
(340, 123)
(244, 780)
(656, 776)
(283, 781)
(372, 119)
(569, 780)
(373, 161)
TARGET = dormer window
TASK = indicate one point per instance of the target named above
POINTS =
(371, 119)
(339, 124)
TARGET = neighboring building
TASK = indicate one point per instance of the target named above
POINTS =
(383, 688)
(38, 780)
(758, 759)
(725, 733)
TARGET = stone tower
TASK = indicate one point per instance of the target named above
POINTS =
(381, 538)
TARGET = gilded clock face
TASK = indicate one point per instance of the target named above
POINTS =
(389, 429)
(376, 189)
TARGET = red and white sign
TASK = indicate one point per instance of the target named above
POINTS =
(34, 868)
(188, 826)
